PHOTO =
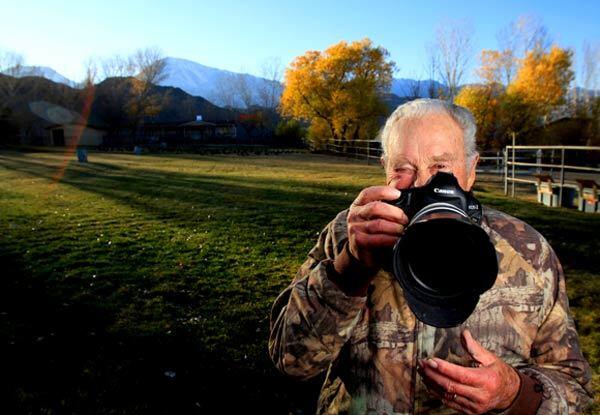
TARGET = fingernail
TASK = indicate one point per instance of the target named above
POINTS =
(432, 363)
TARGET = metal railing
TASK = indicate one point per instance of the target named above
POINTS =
(504, 163)
(367, 149)
(561, 166)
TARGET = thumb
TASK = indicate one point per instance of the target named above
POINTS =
(476, 350)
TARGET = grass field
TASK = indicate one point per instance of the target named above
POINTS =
(143, 284)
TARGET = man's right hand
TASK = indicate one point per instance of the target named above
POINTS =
(374, 225)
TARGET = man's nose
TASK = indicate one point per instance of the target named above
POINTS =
(422, 177)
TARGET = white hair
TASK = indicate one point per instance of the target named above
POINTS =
(424, 106)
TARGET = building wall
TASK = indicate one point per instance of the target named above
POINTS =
(88, 136)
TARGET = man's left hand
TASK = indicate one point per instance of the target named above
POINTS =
(492, 385)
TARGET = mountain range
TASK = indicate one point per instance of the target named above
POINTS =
(215, 84)
(44, 72)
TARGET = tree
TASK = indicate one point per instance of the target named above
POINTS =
(519, 37)
(496, 67)
(225, 93)
(338, 91)
(11, 63)
(431, 68)
(116, 66)
(243, 89)
(128, 87)
(543, 79)
(149, 66)
(454, 50)
(269, 92)
(484, 102)
(233, 90)
(590, 73)
(90, 78)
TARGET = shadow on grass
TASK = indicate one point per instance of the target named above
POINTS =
(62, 355)
(139, 187)
(58, 357)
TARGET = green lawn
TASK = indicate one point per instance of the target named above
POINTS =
(143, 284)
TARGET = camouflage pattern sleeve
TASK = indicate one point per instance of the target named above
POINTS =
(558, 364)
(312, 319)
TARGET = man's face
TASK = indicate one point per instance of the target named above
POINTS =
(420, 147)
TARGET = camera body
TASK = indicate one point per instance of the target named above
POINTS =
(441, 190)
(444, 260)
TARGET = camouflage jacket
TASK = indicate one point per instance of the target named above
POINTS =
(370, 345)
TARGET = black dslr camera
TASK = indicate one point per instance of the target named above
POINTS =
(444, 260)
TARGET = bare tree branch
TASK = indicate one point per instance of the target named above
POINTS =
(11, 63)
(243, 89)
(149, 65)
(270, 90)
(590, 73)
(431, 69)
(116, 66)
(454, 50)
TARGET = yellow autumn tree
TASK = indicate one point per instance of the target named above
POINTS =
(484, 102)
(338, 91)
(543, 79)
(496, 66)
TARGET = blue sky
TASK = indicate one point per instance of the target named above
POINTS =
(239, 35)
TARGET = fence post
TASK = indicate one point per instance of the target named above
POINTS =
(368, 152)
(512, 192)
(497, 162)
(505, 155)
(562, 176)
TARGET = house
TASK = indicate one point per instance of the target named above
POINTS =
(65, 127)
(75, 134)
(197, 130)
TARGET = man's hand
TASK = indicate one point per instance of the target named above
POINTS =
(373, 224)
(491, 385)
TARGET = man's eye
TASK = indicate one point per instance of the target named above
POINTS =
(404, 170)
(441, 166)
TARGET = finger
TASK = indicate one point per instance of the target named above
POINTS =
(373, 193)
(476, 350)
(380, 226)
(451, 386)
(378, 209)
(461, 405)
(365, 240)
(458, 402)
(464, 375)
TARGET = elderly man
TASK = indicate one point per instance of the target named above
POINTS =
(346, 314)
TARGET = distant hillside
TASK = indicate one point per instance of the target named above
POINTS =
(220, 86)
(404, 87)
(19, 95)
(212, 83)
(41, 71)
(175, 104)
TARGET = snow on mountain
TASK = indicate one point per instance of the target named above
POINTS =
(220, 86)
(42, 71)
(192, 77)
(217, 85)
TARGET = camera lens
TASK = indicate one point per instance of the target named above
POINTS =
(439, 255)
(444, 256)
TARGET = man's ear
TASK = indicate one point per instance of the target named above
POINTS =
(471, 172)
